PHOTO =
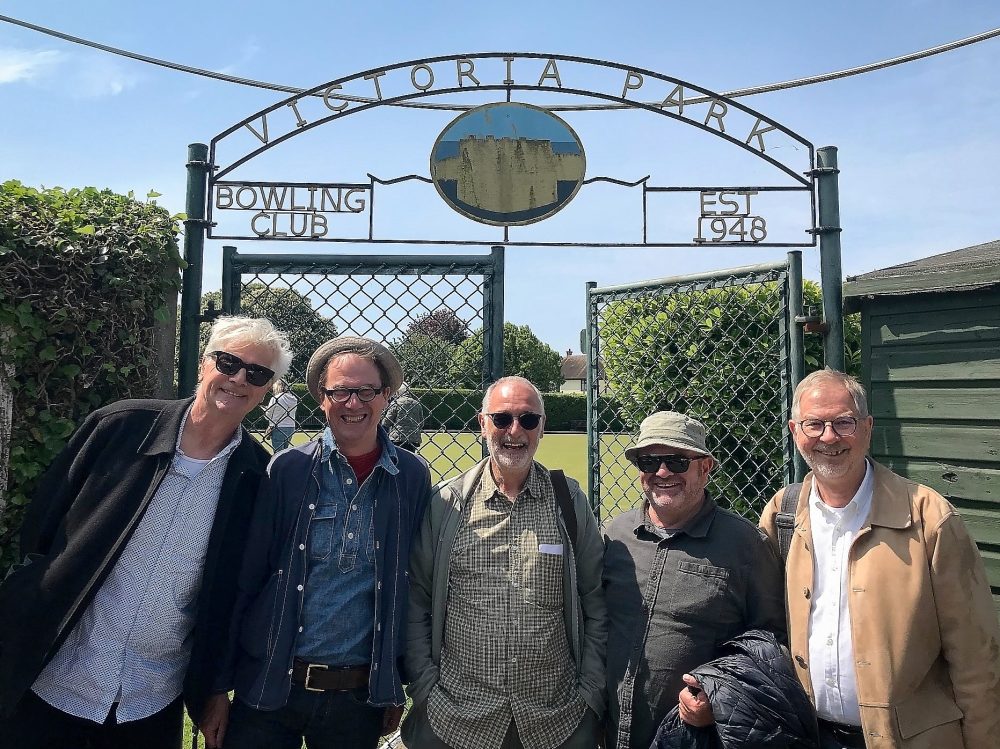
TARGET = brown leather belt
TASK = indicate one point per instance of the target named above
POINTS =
(316, 677)
(851, 736)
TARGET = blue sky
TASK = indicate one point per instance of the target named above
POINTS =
(918, 144)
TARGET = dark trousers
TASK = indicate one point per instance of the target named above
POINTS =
(326, 720)
(835, 736)
(418, 733)
(35, 724)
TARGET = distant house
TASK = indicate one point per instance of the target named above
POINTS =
(574, 373)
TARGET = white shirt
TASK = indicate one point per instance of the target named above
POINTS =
(831, 647)
(132, 643)
(281, 410)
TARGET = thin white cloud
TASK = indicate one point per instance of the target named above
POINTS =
(248, 52)
(99, 77)
(26, 64)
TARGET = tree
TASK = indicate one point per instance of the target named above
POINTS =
(426, 359)
(442, 323)
(523, 354)
(290, 311)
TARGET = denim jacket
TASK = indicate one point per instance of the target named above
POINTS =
(268, 614)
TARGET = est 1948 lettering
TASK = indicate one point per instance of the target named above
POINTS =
(725, 217)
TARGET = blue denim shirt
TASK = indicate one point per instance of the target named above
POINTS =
(339, 606)
(269, 607)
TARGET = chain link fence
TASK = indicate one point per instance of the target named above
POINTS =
(437, 314)
(712, 346)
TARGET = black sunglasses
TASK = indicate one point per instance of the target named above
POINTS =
(674, 463)
(230, 364)
(504, 419)
(342, 395)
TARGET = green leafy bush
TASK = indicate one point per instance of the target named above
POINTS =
(86, 275)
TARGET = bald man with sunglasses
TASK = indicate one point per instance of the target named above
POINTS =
(681, 577)
(507, 623)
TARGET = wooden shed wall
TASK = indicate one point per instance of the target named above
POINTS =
(931, 363)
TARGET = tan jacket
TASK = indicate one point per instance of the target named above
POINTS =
(925, 633)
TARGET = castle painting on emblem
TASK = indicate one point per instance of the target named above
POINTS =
(507, 164)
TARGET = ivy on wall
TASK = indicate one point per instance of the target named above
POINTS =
(85, 275)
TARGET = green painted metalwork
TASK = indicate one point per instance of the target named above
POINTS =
(194, 249)
(831, 275)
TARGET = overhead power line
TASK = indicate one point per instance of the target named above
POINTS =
(750, 91)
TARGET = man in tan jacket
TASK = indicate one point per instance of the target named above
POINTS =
(890, 620)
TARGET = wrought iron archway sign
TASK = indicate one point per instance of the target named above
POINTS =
(509, 163)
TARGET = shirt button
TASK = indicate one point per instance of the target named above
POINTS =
(299, 587)
(312, 507)
(354, 507)
(348, 481)
(350, 535)
(829, 641)
(289, 672)
(300, 629)
(302, 547)
(831, 682)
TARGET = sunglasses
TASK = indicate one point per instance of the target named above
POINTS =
(504, 419)
(674, 463)
(365, 393)
(230, 364)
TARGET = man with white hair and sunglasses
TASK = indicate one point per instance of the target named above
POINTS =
(119, 612)
(681, 577)
(507, 626)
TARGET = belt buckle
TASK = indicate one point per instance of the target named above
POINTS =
(309, 669)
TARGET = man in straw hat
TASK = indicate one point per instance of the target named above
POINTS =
(324, 582)
(681, 576)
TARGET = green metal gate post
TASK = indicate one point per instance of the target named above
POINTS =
(590, 349)
(831, 276)
(796, 353)
(493, 325)
(194, 250)
(230, 282)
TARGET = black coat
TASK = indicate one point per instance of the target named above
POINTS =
(86, 508)
(755, 696)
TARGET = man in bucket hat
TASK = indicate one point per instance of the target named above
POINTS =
(321, 613)
(681, 577)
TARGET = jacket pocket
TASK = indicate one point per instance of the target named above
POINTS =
(698, 592)
(925, 710)
(259, 629)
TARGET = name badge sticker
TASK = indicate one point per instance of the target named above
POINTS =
(556, 549)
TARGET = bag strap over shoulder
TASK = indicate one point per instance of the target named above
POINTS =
(565, 502)
(785, 519)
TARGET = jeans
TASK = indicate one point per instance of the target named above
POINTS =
(326, 720)
(281, 437)
(35, 724)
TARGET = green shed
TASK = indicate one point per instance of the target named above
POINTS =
(930, 359)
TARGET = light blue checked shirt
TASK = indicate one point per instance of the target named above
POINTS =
(133, 643)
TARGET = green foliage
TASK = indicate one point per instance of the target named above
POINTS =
(455, 410)
(425, 359)
(523, 354)
(442, 323)
(290, 311)
(85, 276)
(712, 354)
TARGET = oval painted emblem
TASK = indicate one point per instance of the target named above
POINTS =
(507, 164)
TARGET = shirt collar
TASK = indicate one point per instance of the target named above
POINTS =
(697, 527)
(532, 487)
(857, 508)
(388, 460)
(232, 445)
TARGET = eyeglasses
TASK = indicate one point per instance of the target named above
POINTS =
(230, 364)
(504, 419)
(365, 393)
(843, 426)
(674, 463)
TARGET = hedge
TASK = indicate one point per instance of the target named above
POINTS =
(87, 277)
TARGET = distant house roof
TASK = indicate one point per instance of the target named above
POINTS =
(574, 367)
(968, 269)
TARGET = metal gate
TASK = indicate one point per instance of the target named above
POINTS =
(724, 348)
(441, 315)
